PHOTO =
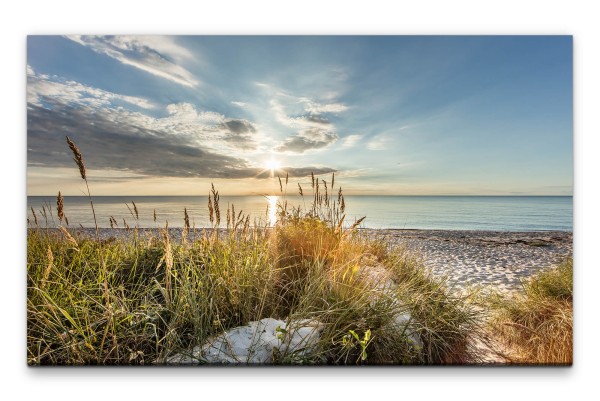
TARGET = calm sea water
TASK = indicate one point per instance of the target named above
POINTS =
(503, 213)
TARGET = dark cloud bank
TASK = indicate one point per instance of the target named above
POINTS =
(109, 141)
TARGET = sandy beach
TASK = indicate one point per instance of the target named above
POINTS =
(500, 259)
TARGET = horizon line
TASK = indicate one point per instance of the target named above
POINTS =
(308, 196)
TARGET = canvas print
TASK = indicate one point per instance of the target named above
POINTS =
(299, 200)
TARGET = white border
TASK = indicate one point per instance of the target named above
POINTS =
(305, 17)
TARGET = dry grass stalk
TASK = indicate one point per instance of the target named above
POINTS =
(216, 197)
(300, 190)
(228, 217)
(357, 223)
(280, 186)
(48, 268)
(60, 207)
(155, 215)
(34, 217)
(135, 209)
(210, 210)
(78, 158)
(44, 214)
(247, 225)
(186, 225)
(130, 211)
(186, 219)
(68, 236)
(168, 263)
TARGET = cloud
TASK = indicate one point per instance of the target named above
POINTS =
(185, 143)
(239, 133)
(157, 55)
(379, 142)
(350, 141)
(289, 119)
(312, 138)
(295, 172)
(239, 104)
(317, 108)
(41, 86)
(106, 144)
(316, 130)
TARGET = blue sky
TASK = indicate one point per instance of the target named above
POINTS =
(408, 115)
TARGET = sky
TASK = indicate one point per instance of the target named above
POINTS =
(390, 115)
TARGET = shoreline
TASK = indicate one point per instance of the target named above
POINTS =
(500, 259)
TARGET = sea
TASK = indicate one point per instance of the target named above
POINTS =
(493, 213)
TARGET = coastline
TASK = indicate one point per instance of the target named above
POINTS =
(495, 259)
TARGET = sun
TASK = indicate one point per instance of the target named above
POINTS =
(272, 165)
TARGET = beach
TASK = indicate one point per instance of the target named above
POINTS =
(497, 258)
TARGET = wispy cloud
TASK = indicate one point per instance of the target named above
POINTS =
(41, 86)
(316, 130)
(379, 142)
(318, 108)
(350, 140)
(239, 104)
(157, 55)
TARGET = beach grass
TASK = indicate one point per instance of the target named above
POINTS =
(140, 296)
(538, 323)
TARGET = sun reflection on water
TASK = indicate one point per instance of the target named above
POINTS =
(272, 209)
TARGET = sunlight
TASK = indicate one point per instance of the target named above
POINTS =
(272, 165)
(272, 210)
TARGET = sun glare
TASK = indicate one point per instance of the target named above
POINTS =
(272, 164)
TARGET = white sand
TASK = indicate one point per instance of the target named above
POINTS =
(500, 259)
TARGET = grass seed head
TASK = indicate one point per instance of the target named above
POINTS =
(77, 157)
(135, 209)
(60, 207)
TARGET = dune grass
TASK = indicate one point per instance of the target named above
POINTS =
(538, 324)
(139, 299)
(142, 297)
(155, 297)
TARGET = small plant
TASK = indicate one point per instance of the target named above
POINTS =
(352, 339)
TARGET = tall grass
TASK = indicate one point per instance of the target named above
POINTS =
(143, 297)
(539, 323)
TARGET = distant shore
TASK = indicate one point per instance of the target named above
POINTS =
(497, 258)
